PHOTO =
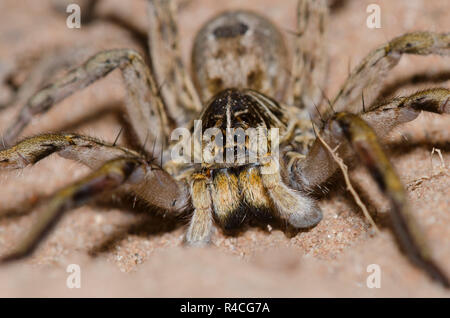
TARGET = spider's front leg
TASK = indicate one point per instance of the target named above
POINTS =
(364, 142)
(144, 105)
(382, 119)
(114, 167)
(354, 135)
(368, 76)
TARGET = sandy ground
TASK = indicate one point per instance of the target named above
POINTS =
(128, 252)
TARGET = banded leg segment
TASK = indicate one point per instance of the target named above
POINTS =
(310, 59)
(44, 70)
(384, 117)
(177, 89)
(87, 150)
(318, 165)
(363, 141)
(144, 105)
(110, 176)
(368, 75)
(151, 182)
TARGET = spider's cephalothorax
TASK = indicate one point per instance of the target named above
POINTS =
(241, 187)
(243, 80)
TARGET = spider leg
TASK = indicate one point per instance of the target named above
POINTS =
(114, 167)
(368, 75)
(87, 150)
(384, 117)
(156, 186)
(177, 89)
(310, 59)
(318, 165)
(363, 141)
(44, 70)
(109, 176)
(144, 105)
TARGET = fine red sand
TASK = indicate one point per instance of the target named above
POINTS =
(124, 252)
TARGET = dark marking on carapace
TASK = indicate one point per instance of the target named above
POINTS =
(236, 108)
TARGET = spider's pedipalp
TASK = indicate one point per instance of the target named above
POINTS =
(226, 198)
(300, 210)
(144, 105)
(201, 225)
(369, 74)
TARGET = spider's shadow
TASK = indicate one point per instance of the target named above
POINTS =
(149, 221)
(153, 222)
(263, 220)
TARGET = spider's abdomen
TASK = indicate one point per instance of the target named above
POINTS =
(240, 49)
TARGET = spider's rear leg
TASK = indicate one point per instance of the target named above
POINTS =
(309, 65)
(144, 104)
(44, 70)
(177, 89)
(368, 75)
(364, 142)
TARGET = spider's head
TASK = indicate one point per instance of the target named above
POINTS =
(240, 49)
(237, 124)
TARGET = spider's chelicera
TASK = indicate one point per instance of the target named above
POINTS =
(236, 140)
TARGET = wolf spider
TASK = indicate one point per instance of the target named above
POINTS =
(240, 80)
